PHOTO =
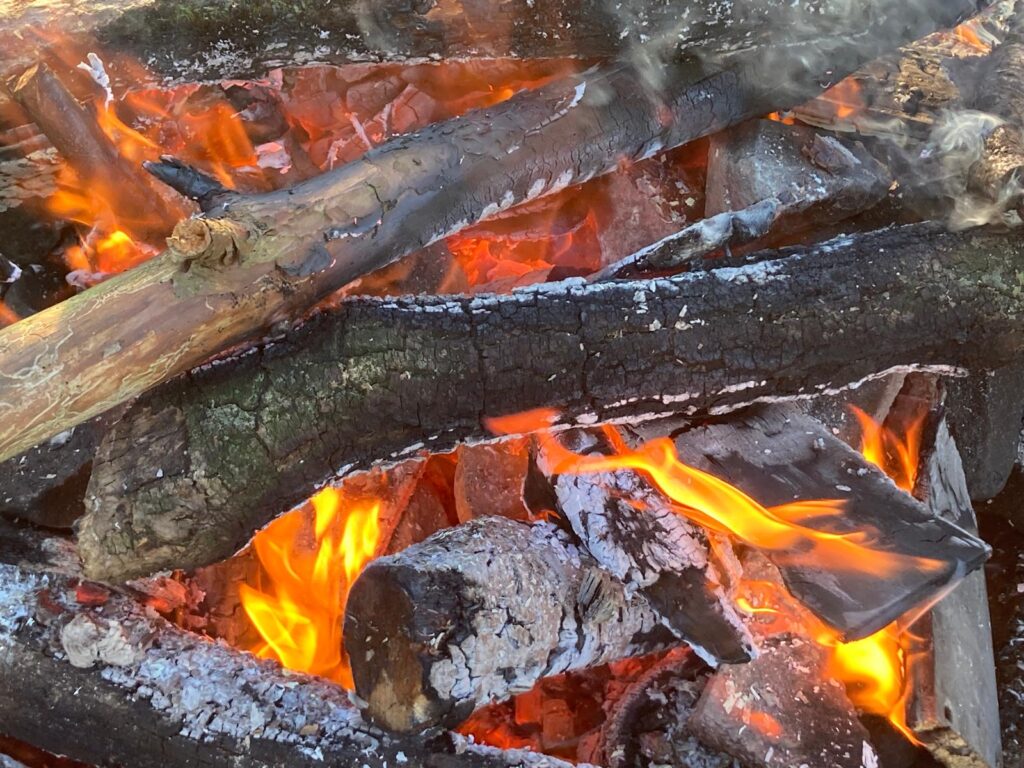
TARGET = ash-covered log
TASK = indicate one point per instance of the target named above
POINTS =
(91, 674)
(635, 533)
(481, 611)
(264, 259)
(187, 476)
(777, 455)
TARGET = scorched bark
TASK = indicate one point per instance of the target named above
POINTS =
(188, 475)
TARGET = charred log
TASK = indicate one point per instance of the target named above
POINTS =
(147, 694)
(258, 260)
(479, 612)
(188, 475)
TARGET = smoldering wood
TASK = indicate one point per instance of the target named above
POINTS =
(777, 455)
(266, 258)
(191, 471)
(955, 707)
(478, 612)
(634, 533)
(984, 411)
(815, 723)
(146, 693)
(148, 209)
(175, 39)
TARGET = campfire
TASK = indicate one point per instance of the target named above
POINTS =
(514, 384)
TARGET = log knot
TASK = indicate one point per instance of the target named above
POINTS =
(212, 243)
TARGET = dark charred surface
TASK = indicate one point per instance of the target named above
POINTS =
(192, 470)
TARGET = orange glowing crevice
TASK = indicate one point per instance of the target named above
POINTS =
(311, 558)
(896, 455)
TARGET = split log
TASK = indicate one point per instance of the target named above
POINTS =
(188, 475)
(176, 37)
(955, 708)
(777, 455)
(147, 694)
(481, 611)
(262, 259)
(635, 534)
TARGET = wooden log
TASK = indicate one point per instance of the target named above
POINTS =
(777, 455)
(955, 707)
(188, 475)
(634, 533)
(175, 37)
(148, 694)
(481, 611)
(260, 260)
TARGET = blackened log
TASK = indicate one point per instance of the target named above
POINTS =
(262, 259)
(777, 455)
(175, 37)
(635, 533)
(145, 693)
(955, 709)
(188, 475)
(481, 611)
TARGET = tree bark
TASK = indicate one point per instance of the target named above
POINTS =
(263, 259)
(113, 685)
(175, 37)
(479, 612)
(188, 475)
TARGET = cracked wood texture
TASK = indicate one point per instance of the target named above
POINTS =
(635, 534)
(68, 363)
(219, 39)
(479, 612)
(113, 685)
(75, 360)
(192, 470)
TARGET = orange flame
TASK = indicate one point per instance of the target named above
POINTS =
(896, 455)
(311, 560)
(7, 315)
(967, 34)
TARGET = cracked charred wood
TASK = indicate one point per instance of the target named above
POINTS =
(148, 694)
(260, 260)
(175, 37)
(479, 612)
(955, 707)
(145, 207)
(778, 455)
(635, 534)
(193, 470)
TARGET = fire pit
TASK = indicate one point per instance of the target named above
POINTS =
(506, 384)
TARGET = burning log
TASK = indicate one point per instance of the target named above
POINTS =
(148, 208)
(481, 611)
(188, 475)
(634, 533)
(148, 694)
(777, 455)
(258, 260)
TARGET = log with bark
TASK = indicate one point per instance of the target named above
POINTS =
(481, 611)
(260, 260)
(188, 475)
(175, 37)
(93, 675)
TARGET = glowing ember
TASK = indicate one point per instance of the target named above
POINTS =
(311, 558)
(7, 315)
(896, 455)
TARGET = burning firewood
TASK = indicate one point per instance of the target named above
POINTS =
(274, 255)
(480, 611)
(188, 475)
